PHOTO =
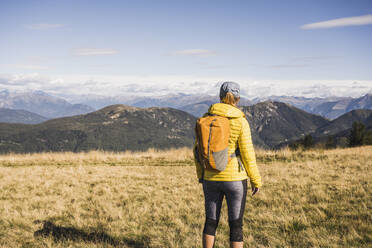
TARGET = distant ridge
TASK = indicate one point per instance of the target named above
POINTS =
(200, 108)
(336, 133)
(197, 104)
(20, 116)
(41, 103)
(273, 123)
(330, 108)
(169, 100)
(345, 122)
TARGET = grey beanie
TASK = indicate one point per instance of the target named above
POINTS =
(232, 87)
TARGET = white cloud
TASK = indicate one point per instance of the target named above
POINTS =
(41, 26)
(94, 51)
(31, 67)
(340, 22)
(194, 52)
(73, 86)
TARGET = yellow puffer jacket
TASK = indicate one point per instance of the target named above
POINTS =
(240, 136)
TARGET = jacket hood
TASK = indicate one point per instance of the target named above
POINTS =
(226, 110)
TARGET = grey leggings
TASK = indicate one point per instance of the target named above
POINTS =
(236, 193)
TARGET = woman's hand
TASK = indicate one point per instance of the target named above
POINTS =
(255, 190)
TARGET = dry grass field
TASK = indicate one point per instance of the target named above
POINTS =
(318, 198)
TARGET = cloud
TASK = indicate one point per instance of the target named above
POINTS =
(23, 81)
(341, 22)
(194, 52)
(74, 86)
(94, 51)
(28, 66)
(31, 67)
(41, 26)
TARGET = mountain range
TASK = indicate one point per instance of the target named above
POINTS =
(330, 108)
(273, 123)
(41, 103)
(122, 127)
(197, 104)
(51, 106)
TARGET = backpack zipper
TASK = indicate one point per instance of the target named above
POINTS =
(209, 138)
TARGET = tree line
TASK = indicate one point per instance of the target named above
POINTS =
(358, 136)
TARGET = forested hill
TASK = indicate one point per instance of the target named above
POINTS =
(116, 128)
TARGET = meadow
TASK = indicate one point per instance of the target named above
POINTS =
(315, 198)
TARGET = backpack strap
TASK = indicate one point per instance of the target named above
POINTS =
(198, 160)
(237, 155)
(202, 177)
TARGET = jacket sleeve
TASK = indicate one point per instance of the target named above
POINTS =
(197, 165)
(248, 155)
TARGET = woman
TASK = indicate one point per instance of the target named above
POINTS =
(232, 181)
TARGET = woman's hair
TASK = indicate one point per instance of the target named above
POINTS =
(230, 99)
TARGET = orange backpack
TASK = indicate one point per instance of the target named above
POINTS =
(212, 141)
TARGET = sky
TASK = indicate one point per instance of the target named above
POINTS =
(308, 48)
